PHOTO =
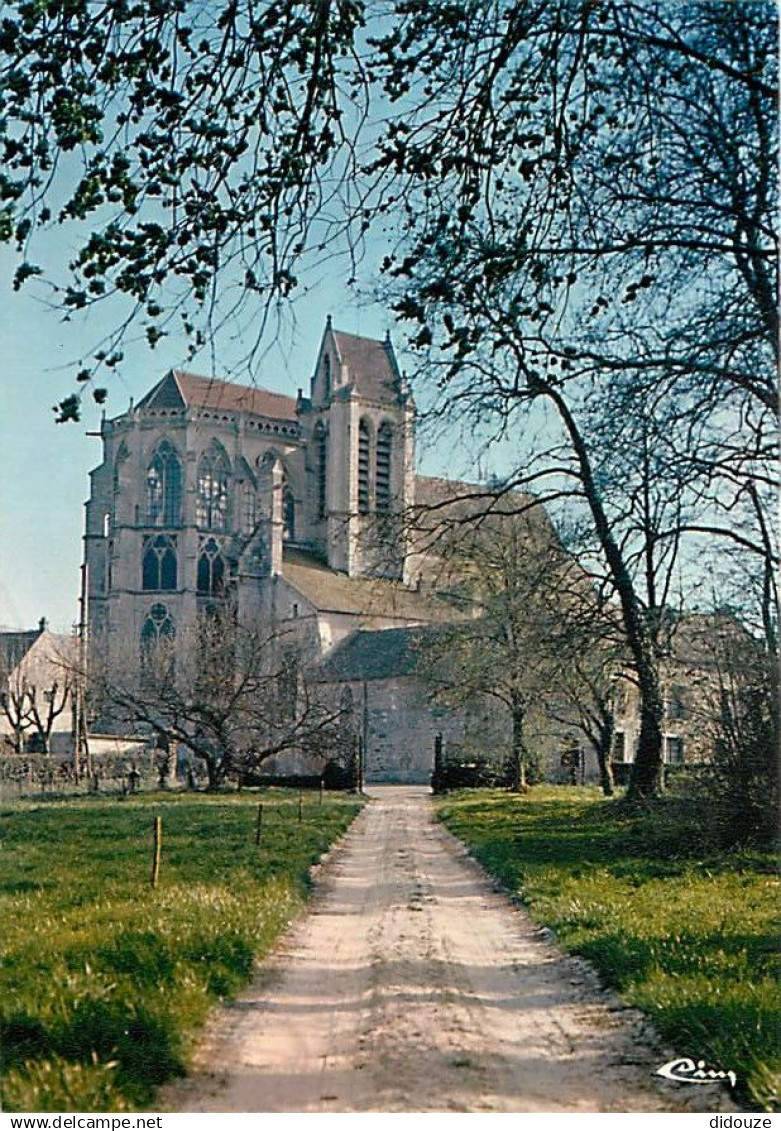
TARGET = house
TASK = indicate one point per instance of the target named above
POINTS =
(700, 659)
(36, 690)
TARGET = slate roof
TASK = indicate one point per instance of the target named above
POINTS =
(14, 646)
(380, 654)
(179, 389)
(371, 364)
(333, 592)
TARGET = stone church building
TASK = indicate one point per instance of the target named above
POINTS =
(297, 507)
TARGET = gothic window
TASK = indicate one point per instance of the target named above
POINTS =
(164, 487)
(287, 686)
(249, 507)
(288, 515)
(159, 562)
(213, 481)
(384, 438)
(211, 569)
(321, 465)
(157, 629)
(327, 376)
(363, 467)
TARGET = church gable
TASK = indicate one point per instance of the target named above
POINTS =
(165, 394)
(369, 367)
(350, 364)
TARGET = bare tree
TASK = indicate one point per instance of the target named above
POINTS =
(233, 694)
(526, 643)
(33, 697)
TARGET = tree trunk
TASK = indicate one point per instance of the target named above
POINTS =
(646, 779)
(517, 751)
(604, 748)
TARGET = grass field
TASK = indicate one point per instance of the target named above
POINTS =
(104, 980)
(689, 935)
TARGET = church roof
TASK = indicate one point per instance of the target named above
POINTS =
(333, 592)
(179, 389)
(372, 369)
(379, 654)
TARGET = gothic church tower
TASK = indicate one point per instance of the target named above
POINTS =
(359, 423)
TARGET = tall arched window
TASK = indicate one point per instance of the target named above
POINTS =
(164, 487)
(384, 443)
(249, 507)
(159, 562)
(213, 483)
(211, 569)
(327, 376)
(158, 629)
(288, 515)
(364, 440)
(321, 468)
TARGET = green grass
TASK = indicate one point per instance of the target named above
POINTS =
(685, 933)
(104, 981)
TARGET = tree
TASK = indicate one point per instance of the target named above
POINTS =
(584, 193)
(521, 647)
(233, 694)
(33, 698)
(592, 236)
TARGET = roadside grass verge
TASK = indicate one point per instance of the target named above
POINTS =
(686, 933)
(104, 980)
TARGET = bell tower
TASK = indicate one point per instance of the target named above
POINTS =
(360, 463)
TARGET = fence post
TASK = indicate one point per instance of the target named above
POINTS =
(259, 826)
(158, 846)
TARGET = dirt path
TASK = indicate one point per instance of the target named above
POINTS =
(412, 985)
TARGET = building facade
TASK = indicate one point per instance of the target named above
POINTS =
(295, 507)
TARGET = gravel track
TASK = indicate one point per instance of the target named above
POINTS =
(412, 984)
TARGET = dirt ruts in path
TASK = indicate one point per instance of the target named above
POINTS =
(413, 985)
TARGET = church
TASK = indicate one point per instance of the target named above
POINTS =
(308, 514)
(297, 508)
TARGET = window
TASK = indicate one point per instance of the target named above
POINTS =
(213, 480)
(159, 562)
(287, 686)
(211, 569)
(675, 704)
(249, 508)
(384, 437)
(158, 629)
(321, 468)
(619, 746)
(364, 440)
(164, 487)
(327, 376)
(673, 750)
(288, 515)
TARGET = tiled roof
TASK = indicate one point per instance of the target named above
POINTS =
(451, 499)
(381, 654)
(372, 365)
(179, 388)
(369, 597)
